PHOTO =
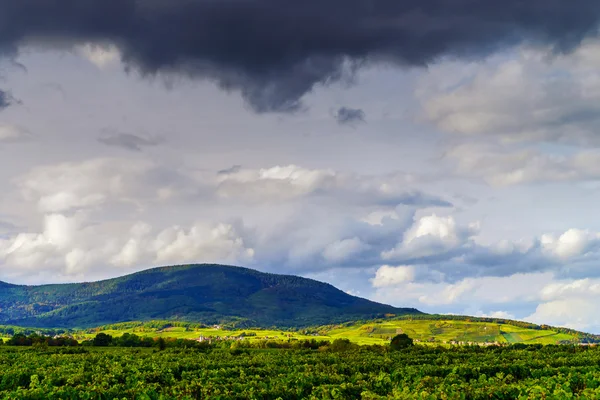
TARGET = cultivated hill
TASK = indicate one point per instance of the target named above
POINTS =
(425, 329)
(206, 293)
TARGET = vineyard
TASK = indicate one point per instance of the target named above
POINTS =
(424, 331)
(342, 371)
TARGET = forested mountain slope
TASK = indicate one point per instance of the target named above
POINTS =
(207, 293)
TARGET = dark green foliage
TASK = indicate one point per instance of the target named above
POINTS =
(102, 340)
(207, 293)
(21, 339)
(341, 345)
(401, 341)
(503, 373)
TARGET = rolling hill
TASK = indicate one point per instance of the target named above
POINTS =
(207, 293)
(425, 329)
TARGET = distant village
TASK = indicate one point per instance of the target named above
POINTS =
(242, 336)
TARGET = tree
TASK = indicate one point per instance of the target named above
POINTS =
(102, 340)
(341, 345)
(128, 340)
(401, 341)
(19, 339)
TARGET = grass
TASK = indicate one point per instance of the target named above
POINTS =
(512, 337)
(424, 331)
(183, 333)
(435, 332)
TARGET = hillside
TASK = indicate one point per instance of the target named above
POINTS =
(448, 331)
(424, 329)
(207, 293)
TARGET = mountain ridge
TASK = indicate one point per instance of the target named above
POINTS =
(194, 292)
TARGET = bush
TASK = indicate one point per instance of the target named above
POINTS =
(401, 341)
(102, 340)
(341, 345)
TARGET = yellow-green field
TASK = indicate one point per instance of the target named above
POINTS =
(434, 332)
(183, 333)
(447, 332)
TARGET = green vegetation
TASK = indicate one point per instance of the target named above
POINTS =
(425, 332)
(214, 294)
(35, 340)
(407, 357)
(169, 302)
(341, 371)
(375, 332)
(451, 332)
(400, 342)
(530, 331)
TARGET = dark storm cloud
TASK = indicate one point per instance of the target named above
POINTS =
(5, 100)
(349, 116)
(231, 170)
(128, 141)
(275, 51)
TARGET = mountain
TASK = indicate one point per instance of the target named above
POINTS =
(203, 293)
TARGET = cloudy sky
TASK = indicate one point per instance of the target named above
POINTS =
(443, 155)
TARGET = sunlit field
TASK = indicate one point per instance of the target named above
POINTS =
(427, 332)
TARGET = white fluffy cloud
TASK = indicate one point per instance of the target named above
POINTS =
(67, 186)
(391, 276)
(466, 293)
(310, 238)
(289, 182)
(496, 314)
(211, 243)
(200, 243)
(553, 300)
(122, 192)
(529, 117)
(502, 165)
(533, 96)
(71, 247)
(32, 251)
(430, 236)
(572, 243)
(433, 248)
(570, 303)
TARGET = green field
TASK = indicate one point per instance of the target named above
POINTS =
(183, 333)
(347, 373)
(449, 332)
(433, 332)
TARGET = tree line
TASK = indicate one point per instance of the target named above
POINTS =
(132, 340)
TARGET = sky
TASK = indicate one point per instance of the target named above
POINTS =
(438, 154)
